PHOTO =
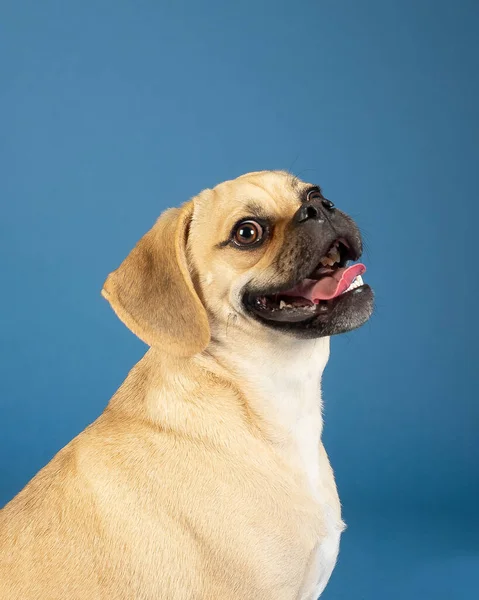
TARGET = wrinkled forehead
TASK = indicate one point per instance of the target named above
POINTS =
(269, 195)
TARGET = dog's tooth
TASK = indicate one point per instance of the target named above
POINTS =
(357, 282)
(336, 257)
(352, 285)
(282, 304)
(327, 262)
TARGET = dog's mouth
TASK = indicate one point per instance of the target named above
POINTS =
(318, 293)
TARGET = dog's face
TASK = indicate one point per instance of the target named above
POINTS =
(266, 250)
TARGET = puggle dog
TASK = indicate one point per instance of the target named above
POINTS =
(205, 478)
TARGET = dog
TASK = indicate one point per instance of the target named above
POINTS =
(205, 478)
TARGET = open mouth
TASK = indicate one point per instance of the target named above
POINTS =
(316, 294)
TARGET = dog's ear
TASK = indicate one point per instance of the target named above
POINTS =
(152, 291)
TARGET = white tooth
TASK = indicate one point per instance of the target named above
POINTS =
(282, 303)
(351, 286)
(357, 282)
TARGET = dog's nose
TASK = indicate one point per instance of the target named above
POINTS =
(313, 211)
(327, 204)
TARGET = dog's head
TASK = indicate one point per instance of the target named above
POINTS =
(266, 250)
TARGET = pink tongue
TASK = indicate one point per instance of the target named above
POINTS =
(328, 287)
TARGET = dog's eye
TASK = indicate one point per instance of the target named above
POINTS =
(248, 233)
(314, 195)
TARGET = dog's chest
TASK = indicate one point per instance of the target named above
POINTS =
(323, 558)
(309, 460)
(322, 489)
(286, 395)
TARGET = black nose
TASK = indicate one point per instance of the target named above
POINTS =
(313, 210)
(327, 204)
(307, 212)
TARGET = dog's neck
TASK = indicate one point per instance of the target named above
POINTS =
(278, 378)
(282, 377)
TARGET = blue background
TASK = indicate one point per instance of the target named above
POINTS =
(112, 111)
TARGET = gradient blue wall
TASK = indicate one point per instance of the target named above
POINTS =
(112, 111)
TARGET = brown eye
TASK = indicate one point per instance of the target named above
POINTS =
(314, 195)
(248, 233)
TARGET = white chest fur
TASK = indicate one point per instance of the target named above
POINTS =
(323, 559)
(285, 382)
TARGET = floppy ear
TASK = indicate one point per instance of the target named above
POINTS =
(152, 291)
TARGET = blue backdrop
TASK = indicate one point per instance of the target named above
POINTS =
(112, 111)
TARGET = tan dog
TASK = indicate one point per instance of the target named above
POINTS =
(205, 478)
